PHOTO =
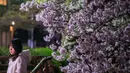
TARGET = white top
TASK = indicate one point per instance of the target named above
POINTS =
(20, 64)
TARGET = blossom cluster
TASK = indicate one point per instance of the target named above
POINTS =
(95, 33)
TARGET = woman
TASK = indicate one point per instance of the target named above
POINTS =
(19, 59)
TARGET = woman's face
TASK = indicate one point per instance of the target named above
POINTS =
(12, 50)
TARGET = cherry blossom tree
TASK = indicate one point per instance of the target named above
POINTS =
(95, 33)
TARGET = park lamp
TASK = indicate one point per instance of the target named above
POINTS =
(11, 27)
(13, 23)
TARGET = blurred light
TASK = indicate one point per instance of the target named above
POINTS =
(11, 28)
(13, 23)
(3, 2)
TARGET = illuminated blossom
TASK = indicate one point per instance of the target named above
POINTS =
(95, 33)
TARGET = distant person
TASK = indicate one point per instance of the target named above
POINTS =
(19, 59)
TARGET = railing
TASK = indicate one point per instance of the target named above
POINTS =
(39, 64)
(44, 66)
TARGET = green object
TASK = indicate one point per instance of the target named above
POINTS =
(68, 2)
(41, 52)
(41, 1)
(4, 51)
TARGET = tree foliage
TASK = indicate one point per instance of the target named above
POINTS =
(21, 19)
(95, 33)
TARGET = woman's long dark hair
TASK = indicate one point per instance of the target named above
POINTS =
(17, 45)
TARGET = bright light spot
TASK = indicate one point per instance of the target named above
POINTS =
(13, 23)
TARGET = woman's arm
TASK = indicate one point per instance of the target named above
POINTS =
(21, 66)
